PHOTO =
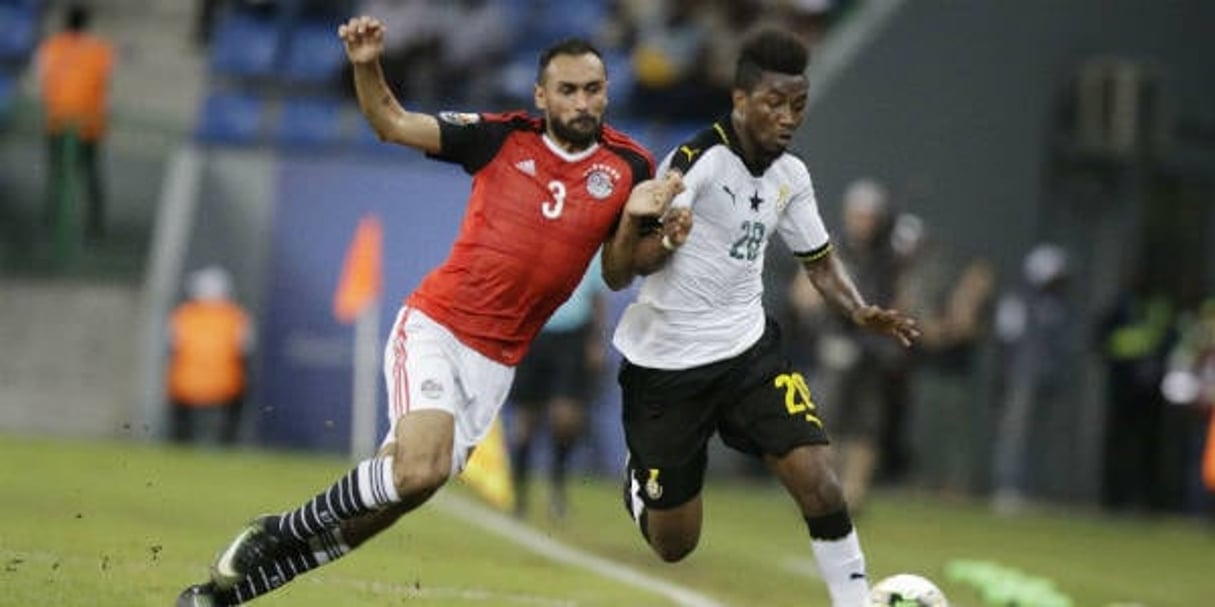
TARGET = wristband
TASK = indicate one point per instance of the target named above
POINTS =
(667, 244)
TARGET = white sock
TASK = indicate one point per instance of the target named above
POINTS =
(842, 565)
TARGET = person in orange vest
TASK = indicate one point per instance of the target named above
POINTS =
(211, 337)
(74, 70)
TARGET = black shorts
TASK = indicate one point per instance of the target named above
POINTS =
(757, 403)
(555, 366)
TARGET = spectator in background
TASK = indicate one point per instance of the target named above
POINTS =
(74, 70)
(442, 52)
(211, 337)
(727, 23)
(862, 373)
(1190, 383)
(1032, 326)
(412, 47)
(557, 378)
(473, 46)
(667, 56)
(951, 297)
(1136, 338)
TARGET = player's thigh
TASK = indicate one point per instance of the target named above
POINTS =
(442, 396)
(668, 419)
(772, 411)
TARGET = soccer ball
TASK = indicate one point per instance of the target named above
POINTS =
(906, 590)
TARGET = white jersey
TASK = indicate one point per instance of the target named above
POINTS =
(705, 304)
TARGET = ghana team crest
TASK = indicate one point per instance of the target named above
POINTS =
(652, 487)
(601, 180)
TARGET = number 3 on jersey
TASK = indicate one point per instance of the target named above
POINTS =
(797, 396)
(552, 208)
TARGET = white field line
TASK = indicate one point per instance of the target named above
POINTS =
(537, 542)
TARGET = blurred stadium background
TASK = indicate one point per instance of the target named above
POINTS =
(1089, 124)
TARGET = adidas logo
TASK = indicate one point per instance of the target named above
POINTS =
(527, 166)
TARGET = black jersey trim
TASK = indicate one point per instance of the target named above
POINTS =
(692, 150)
(634, 154)
(473, 144)
(725, 130)
(814, 255)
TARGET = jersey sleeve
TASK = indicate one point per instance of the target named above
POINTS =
(472, 140)
(801, 226)
(689, 158)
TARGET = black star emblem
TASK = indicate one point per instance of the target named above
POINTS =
(756, 201)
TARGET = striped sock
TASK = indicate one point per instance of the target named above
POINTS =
(366, 488)
(324, 548)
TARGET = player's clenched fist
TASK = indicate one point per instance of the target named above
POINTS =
(363, 38)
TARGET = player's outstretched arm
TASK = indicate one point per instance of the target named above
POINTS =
(830, 278)
(363, 38)
(649, 199)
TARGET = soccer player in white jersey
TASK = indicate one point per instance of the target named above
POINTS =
(700, 354)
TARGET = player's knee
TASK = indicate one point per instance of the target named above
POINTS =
(420, 476)
(674, 549)
(826, 496)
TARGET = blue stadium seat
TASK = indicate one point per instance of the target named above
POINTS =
(231, 118)
(244, 46)
(18, 31)
(308, 122)
(312, 54)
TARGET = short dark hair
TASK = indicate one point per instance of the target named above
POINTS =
(769, 50)
(77, 17)
(567, 46)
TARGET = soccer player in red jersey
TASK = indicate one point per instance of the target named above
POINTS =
(547, 194)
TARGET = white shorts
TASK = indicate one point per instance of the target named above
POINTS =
(426, 367)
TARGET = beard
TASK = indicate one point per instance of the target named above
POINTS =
(579, 132)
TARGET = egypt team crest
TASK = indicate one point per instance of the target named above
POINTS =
(431, 389)
(601, 181)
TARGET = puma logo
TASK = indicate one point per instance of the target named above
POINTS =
(733, 198)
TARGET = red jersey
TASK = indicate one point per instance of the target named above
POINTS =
(536, 217)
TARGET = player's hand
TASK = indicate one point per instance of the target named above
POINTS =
(651, 197)
(363, 38)
(889, 322)
(676, 226)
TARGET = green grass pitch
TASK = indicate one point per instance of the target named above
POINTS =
(100, 524)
